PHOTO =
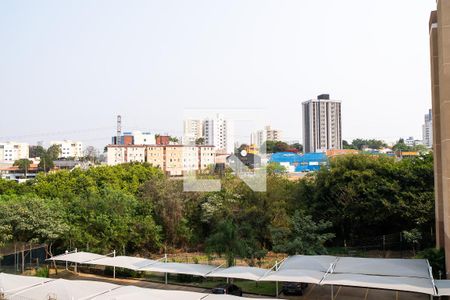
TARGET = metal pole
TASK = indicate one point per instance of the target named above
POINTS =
(165, 260)
(67, 266)
(276, 284)
(23, 259)
(76, 265)
(114, 268)
(332, 292)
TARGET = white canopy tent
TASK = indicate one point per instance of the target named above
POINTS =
(308, 262)
(78, 257)
(418, 285)
(63, 289)
(10, 284)
(127, 262)
(137, 293)
(383, 266)
(180, 268)
(293, 275)
(443, 287)
(391, 274)
(249, 273)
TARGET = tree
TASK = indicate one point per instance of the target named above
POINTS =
(297, 146)
(31, 219)
(303, 236)
(401, 146)
(200, 141)
(48, 156)
(225, 240)
(91, 154)
(23, 165)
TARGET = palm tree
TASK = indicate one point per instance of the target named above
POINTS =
(24, 165)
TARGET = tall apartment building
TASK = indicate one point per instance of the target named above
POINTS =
(322, 129)
(174, 160)
(427, 130)
(439, 27)
(267, 134)
(192, 130)
(69, 148)
(12, 151)
(218, 131)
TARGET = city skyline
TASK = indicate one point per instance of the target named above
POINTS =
(65, 76)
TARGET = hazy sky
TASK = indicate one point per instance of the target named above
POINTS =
(67, 68)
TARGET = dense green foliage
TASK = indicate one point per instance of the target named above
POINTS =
(134, 208)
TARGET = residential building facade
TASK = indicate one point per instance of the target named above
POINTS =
(135, 137)
(267, 134)
(440, 86)
(322, 125)
(69, 148)
(218, 131)
(192, 130)
(174, 160)
(12, 151)
(427, 130)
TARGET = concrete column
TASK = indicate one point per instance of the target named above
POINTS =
(444, 95)
(434, 62)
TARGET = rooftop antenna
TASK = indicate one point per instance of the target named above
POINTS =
(119, 128)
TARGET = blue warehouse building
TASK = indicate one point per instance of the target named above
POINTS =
(295, 162)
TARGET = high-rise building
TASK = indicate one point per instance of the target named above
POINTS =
(12, 151)
(218, 132)
(72, 149)
(192, 130)
(427, 130)
(322, 124)
(267, 134)
(439, 27)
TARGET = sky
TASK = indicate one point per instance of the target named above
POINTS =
(67, 68)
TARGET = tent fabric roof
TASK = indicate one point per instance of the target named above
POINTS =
(443, 287)
(419, 285)
(295, 275)
(77, 257)
(249, 273)
(383, 266)
(10, 284)
(127, 262)
(180, 268)
(63, 289)
(137, 293)
(308, 262)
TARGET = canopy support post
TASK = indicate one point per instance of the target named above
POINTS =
(332, 292)
(67, 264)
(76, 264)
(114, 268)
(276, 283)
(165, 274)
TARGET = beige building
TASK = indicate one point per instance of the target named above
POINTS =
(267, 134)
(69, 148)
(322, 129)
(174, 160)
(439, 26)
(12, 151)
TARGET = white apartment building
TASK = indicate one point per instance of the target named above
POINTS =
(12, 151)
(219, 132)
(267, 134)
(322, 125)
(174, 160)
(69, 148)
(143, 138)
(192, 130)
(427, 130)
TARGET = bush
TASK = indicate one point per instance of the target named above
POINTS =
(436, 258)
(42, 272)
